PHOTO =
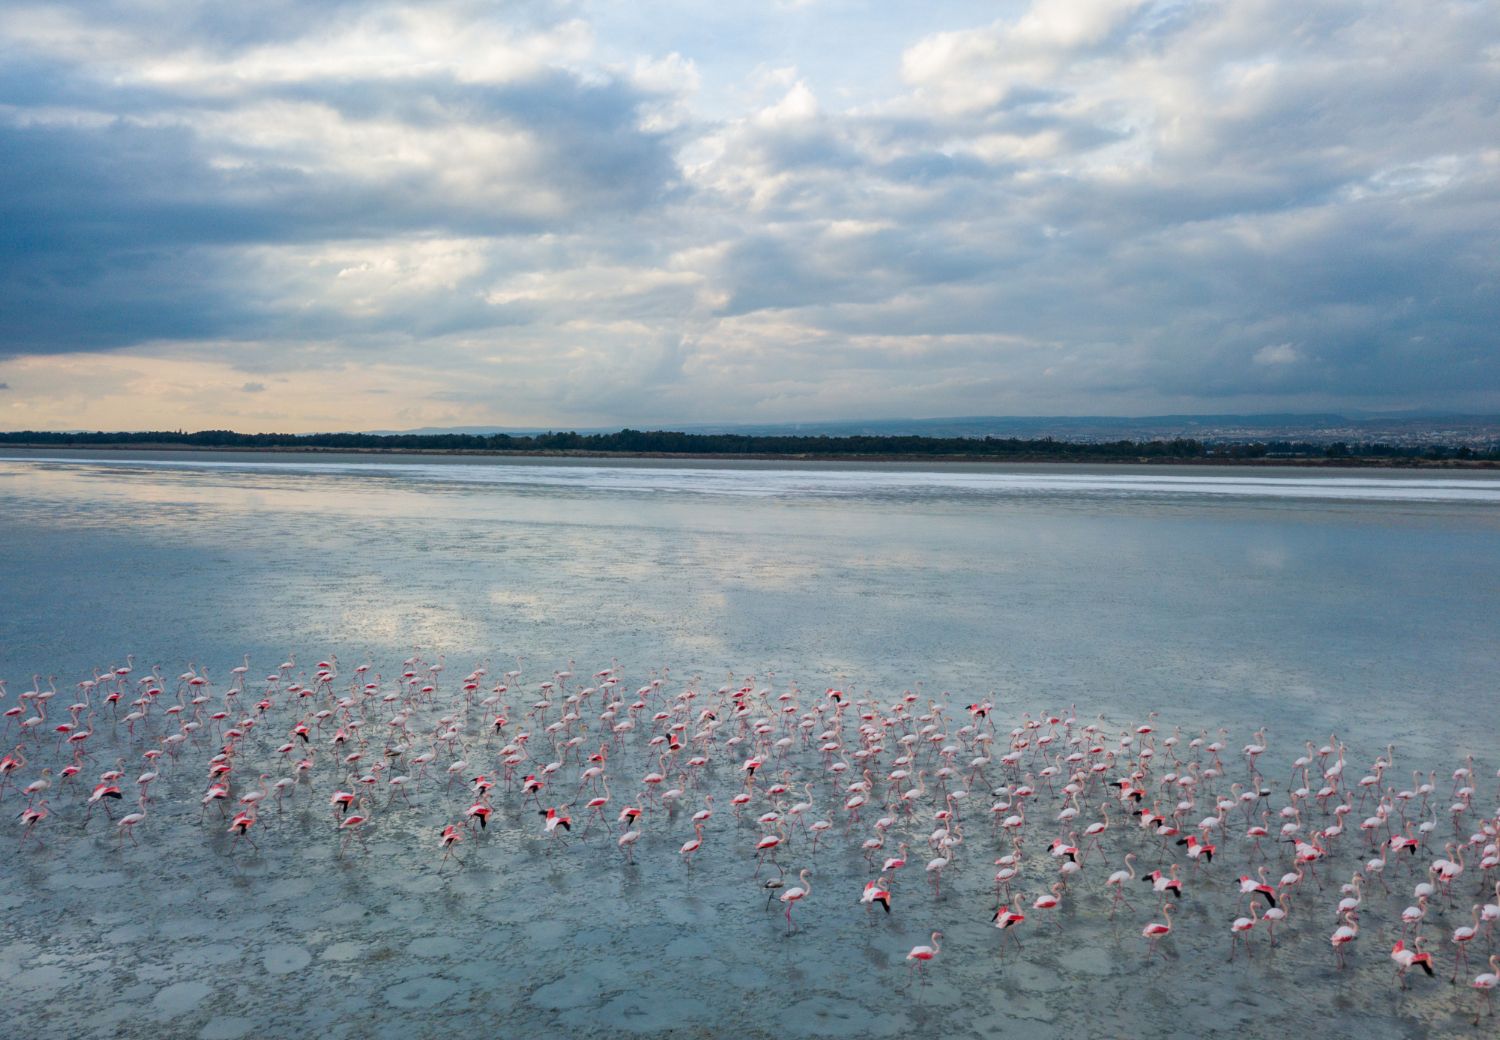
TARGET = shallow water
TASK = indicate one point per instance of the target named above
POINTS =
(1363, 605)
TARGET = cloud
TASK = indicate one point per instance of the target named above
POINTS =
(559, 216)
(253, 388)
(139, 217)
(1280, 354)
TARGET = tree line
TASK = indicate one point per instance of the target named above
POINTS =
(669, 442)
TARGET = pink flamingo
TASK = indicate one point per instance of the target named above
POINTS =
(1006, 920)
(1240, 930)
(1157, 930)
(794, 895)
(691, 847)
(921, 955)
(1485, 985)
(1343, 935)
(1117, 882)
(876, 891)
(1406, 959)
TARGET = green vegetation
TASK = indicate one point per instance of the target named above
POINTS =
(666, 442)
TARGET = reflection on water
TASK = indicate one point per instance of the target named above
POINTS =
(1249, 601)
(829, 480)
(1228, 599)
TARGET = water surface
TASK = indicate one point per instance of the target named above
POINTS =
(1309, 602)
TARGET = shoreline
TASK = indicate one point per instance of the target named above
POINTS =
(1351, 462)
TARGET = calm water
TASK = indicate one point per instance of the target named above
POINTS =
(1366, 604)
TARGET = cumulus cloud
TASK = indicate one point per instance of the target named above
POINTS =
(557, 217)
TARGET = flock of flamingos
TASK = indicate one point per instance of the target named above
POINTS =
(1318, 849)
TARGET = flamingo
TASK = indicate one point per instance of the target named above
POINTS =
(1274, 915)
(30, 817)
(1240, 929)
(1343, 935)
(1049, 901)
(241, 824)
(935, 872)
(627, 842)
(1117, 882)
(1156, 931)
(1462, 936)
(766, 846)
(1485, 984)
(1167, 883)
(795, 894)
(692, 846)
(877, 891)
(1406, 959)
(921, 955)
(1249, 886)
(450, 837)
(127, 824)
(1006, 920)
(102, 790)
(481, 812)
(554, 821)
(352, 826)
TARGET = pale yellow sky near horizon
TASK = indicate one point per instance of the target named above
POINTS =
(123, 391)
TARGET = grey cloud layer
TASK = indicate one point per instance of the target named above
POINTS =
(1101, 205)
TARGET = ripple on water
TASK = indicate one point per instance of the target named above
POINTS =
(291, 888)
(547, 933)
(248, 924)
(187, 928)
(744, 976)
(98, 882)
(643, 1013)
(436, 946)
(688, 947)
(285, 958)
(1088, 960)
(39, 980)
(423, 992)
(228, 1028)
(342, 951)
(570, 991)
(831, 1016)
(179, 998)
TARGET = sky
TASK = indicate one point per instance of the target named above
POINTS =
(329, 215)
